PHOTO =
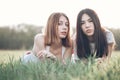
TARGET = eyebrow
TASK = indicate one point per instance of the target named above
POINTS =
(63, 21)
(90, 19)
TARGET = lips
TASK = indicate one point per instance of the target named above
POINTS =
(89, 31)
(63, 33)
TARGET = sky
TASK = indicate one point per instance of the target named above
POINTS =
(36, 12)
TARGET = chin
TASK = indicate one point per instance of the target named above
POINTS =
(89, 34)
(62, 37)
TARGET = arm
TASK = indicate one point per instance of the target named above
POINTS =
(111, 43)
(38, 44)
(106, 58)
(110, 49)
(39, 48)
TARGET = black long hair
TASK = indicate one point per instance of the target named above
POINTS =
(82, 42)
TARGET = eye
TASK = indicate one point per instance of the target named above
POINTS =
(82, 22)
(67, 24)
(90, 20)
(60, 23)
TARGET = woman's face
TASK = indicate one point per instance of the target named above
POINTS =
(87, 25)
(63, 27)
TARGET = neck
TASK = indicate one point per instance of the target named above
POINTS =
(90, 38)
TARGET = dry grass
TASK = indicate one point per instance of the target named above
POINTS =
(6, 55)
(116, 54)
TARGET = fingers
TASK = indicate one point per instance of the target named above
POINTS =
(99, 60)
(41, 54)
(28, 52)
(51, 56)
(44, 54)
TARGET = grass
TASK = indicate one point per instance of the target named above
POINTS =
(5, 55)
(48, 70)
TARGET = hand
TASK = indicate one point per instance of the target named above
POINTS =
(45, 54)
(99, 60)
(28, 52)
(51, 56)
(41, 54)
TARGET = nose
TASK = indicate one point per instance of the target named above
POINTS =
(64, 27)
(87, 24)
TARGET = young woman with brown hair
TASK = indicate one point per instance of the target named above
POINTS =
(55, 44)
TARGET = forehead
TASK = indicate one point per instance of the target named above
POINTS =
(63, 18)
(85, 17)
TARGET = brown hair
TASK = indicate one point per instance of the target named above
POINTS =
(51, 33)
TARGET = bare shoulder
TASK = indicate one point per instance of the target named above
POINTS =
(110, 37)
(39, 37)
(38, 43)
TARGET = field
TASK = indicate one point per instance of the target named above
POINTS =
(15, 70)
(5, 55)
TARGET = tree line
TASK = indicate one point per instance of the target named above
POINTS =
(22, 36)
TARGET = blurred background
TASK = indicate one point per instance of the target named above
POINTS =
(21, 20)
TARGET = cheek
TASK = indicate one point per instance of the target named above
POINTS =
(83, 29)
(59, 29)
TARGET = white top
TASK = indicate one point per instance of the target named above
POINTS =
(63, 50)
(32, 58)
(110, 39)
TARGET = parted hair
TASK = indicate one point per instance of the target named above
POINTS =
(82, 42)
(51, 31)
